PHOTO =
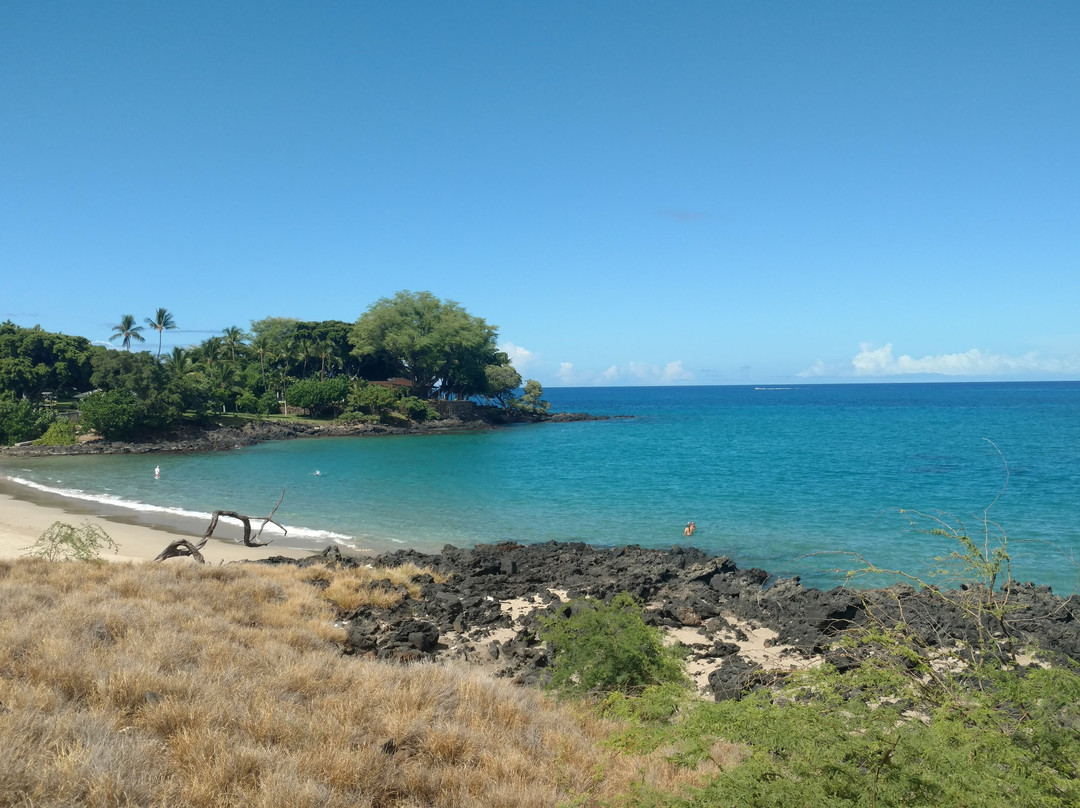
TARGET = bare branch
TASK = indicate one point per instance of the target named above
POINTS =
(182, 548)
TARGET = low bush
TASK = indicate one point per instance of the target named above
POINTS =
(608, 647)
(64, 542)
(417, 409)
(59, 433)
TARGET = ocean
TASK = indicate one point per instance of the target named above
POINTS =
(807, 480)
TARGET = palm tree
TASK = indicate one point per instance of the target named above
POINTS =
(127, 329)
(162, 320)
(286, 353)
(303, 349)
(262, 346)
(233, 337)
(179, 362)
(211, 349)
(328, 353)
(223, 381)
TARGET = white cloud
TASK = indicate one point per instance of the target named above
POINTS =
(520, 358)
(819, 368)
(871, 361)
(674, 372)
(631, 373)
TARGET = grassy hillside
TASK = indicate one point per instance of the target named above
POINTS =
(175, 684)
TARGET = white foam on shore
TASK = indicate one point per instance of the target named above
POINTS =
(143, 507)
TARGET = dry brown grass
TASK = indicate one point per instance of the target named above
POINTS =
(179, 684)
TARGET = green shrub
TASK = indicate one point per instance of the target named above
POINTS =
(417, 409)
(64, 542)
(318, 396)
(59, 433)
(268, 404)
(247, 402)
(372, 399)
(609, 647)
(830, 740)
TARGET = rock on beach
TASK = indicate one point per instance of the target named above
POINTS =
(742, 628)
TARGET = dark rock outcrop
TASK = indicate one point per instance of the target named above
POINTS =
(710, 601)
(216, 437)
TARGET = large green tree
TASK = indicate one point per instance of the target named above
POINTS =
(34, 361)
(437, 345)
(128, 331)
(115, 414)
(160, 322)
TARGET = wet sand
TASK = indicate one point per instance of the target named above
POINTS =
(26, 514)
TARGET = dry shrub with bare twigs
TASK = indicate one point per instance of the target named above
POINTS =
(156, 685)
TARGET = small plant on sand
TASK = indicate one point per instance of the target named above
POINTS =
(608, 647)
(64, 542)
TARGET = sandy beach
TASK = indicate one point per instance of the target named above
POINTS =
(24, 519)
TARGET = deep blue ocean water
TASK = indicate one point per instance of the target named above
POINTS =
(786, 479)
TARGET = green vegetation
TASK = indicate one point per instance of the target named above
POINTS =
(126, 331)
(857, 740)
(64, 542)
(914, 722)
(20, 420)
(58, 433)
(161, 321)
(881, 735)
(608, 647)
(533, 397)
(439, 347)
(320, 397)
(429, 348)
(34, 362)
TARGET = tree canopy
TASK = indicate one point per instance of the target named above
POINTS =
(435, 344)
(321, 366)
(34, 361)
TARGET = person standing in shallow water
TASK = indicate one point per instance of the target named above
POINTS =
(690, 528)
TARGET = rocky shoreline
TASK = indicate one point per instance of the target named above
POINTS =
(741, 632)
(219, 437)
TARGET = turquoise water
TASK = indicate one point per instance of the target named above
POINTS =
(777, 478)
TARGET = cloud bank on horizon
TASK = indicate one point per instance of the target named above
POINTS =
(880, 361)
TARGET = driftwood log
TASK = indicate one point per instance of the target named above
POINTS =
(183, 548)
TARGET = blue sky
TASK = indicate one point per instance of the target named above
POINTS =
(633, 192)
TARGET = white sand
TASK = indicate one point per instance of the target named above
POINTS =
(23, 521)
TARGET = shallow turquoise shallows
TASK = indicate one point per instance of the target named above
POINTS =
(791, 480)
